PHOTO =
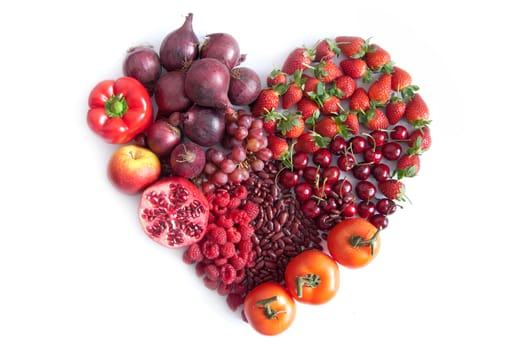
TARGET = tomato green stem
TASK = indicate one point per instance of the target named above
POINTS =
(311, 280)
(358, 241)
(116, 106)
(269, 312)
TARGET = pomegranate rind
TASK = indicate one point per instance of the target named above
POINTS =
(174, 212)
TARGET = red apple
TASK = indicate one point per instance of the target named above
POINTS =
(132, 168)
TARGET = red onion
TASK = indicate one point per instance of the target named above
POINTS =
(162, 137)
(180, 47)
(245, 86)
(187, 160)
(143, 64)
(223, 47)
(205, 126)
(207, 82)
(170, 93)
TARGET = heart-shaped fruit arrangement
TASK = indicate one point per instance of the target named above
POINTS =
(267, 188)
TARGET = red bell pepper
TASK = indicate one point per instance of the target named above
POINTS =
(119, 109)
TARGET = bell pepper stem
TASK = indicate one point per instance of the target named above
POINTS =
(116, 106)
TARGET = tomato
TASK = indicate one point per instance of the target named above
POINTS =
(353, 242)
(312, 277)
(269, 308)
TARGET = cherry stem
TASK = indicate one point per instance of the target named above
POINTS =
(358, 241)
(311, 280)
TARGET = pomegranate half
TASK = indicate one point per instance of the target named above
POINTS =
(174, 212)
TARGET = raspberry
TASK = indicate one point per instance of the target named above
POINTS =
(200, 269)
(245, 246)
(220, 261)
(193, 254)
(240, 289)
(227, 250)
(239, 217)
(233, 235)
(246, 231)
(218, 210)
(227, 274)
(238, 262)
(240, 192)
(251, 209)
(234, 203)
(212, 272)
(224, 289)
(213, 285)
(221, 198)
(217, 234)
(234, 300)
(240, 275)
(210, 250)
(224, 222)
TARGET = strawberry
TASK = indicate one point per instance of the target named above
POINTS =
(291, 125)
(326, 50)
(352, 123)
(310, 142)
(327, 71)
(270, 121)
(380, 91)
(278, 146)
(395, 110)
(330, 106)
(402, 82)
(268, 100)
(294, 92)
(307, 107)
(417, 112)
(327, 127)
(346, 84)
(419, 140)
(292, 96)
(374, 119)
(299, 58)
(310, 84)
(359, 100)
(393, 189)
(276, 77)
(379, 60)
(352, 46)
(407, 166)
(356, 68)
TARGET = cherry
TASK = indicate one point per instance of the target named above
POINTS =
(331, 174)
(324, 222)
(377, 138)
(310, 208)
(366, 209)
(365, 190)
(303, 191)
(392, 150)
(310, 174)
(322, 157)
(342, 187)
(380, 171)
(300, 160)
(329, 204)
(358, 144)
(361, 171)
(322, 190)
(372, 155)
(337, 145)
(350, 209)
(345, 162)
(399, 132)
(386, 206)
(379, 221)
(288, 178)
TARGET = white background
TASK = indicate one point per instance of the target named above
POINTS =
(77, 272)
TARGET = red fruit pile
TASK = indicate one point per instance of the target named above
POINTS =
(344, 119)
